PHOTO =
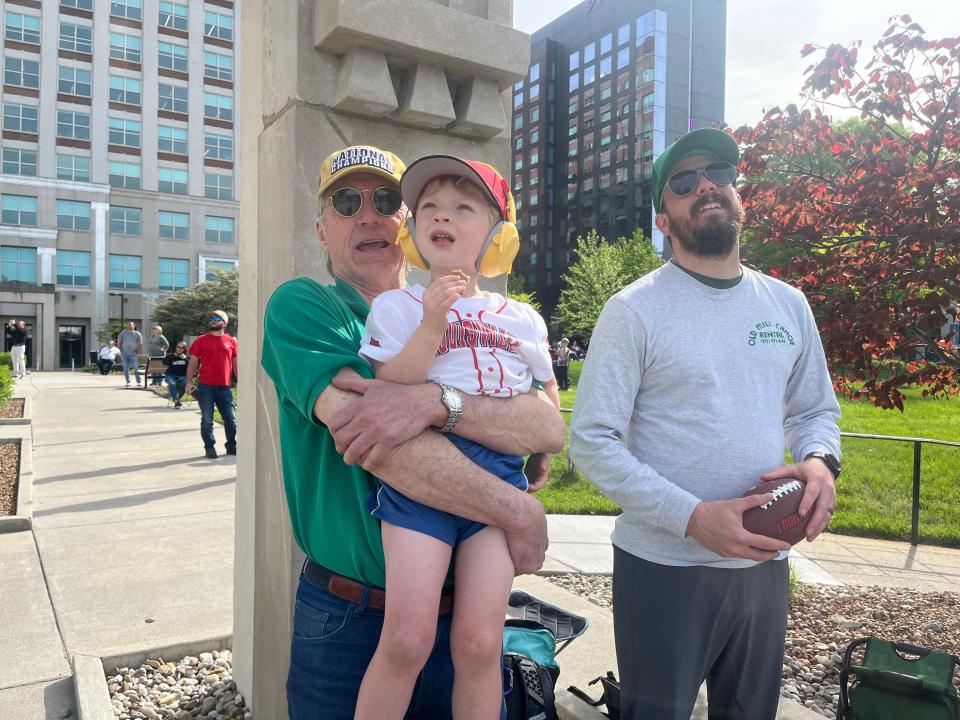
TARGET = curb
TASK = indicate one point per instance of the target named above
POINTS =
(25, 420)
(90, 671)
(23, 520)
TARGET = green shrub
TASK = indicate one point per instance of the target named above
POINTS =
(6, 360)
(6, 383)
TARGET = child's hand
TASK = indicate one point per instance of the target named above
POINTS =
(537, 471)
(439, 296)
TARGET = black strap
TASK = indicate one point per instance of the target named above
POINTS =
(577, 692)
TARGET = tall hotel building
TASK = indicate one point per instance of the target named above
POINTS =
(611, 83)
(119, 162)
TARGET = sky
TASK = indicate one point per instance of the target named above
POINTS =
(764, 37)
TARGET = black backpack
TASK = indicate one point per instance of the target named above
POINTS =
(528, 688)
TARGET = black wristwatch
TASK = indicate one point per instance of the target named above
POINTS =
(831, 461)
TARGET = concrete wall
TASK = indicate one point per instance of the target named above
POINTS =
(320, 75)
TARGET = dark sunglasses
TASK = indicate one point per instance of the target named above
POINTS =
(686, 181)
(348, 201)
(216, 318)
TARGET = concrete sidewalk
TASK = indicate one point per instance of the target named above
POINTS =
(132, 547)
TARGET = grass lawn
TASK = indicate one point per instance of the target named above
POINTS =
(875, 489)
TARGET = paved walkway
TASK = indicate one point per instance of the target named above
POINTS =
(132, 546)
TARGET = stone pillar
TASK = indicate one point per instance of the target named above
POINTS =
(410, 76)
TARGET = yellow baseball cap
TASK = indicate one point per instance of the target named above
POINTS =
(360, 158)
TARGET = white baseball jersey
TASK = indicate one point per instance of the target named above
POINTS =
(492, 345)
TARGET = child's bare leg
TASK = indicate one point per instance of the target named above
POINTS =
(484, 575)
(416, 567)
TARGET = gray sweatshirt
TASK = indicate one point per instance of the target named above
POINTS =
(691, 393)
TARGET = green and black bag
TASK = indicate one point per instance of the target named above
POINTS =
(896, 681)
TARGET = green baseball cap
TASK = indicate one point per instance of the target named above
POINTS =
(705, 141)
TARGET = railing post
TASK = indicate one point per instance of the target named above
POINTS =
(915, 524)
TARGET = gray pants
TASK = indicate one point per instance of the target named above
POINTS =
(678, 626)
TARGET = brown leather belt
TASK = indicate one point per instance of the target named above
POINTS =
(352, 590)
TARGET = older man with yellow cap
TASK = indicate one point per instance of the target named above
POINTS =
(337, 424)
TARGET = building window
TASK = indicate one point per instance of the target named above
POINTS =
(217, 66)
(23, 28)
(534, 156)
(129, 9)
(78, 4)
(17, 161)
(124, 132)
(589, 73)
(172, 57)
(73, 81)
(174, 274)
(605, 116)
(647, 75)
(623, 34)
(605, 159)
(534, 115)
(572, 130)
(534, 73)
(623, 82)
(172, 97)
(517, 122)
(217, 25)
(606, 67)
(518, 143)
(572, 148)
(18, 264)
(534, 136)
(218, 187)
(218, 147)
(125, 220)
(648, 103)
(75, 125)
(125, 47)
(20, 118)
(574, 60)
(73, 167)
(623, 58)
(518, 162)
(214, 266)
(174, 225)
(172, 139)
(171, 180)
(605, 136)
(73, 267)
(73, 215)
(589, 53)
(124, 174)
(21, 73)
(217, 107)
(125, 271)
(76, 38)
(534, 176)
(124, 90)
(606, 43)
(534, 91)
(173, 15)
(517, 100)
(19, 210)
(219, 230)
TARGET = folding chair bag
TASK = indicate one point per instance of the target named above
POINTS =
(896, 681)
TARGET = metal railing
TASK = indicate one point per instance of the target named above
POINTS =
(917, 453)
(917, 456)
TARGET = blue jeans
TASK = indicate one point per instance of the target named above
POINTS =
(333, 642)
(219, 395)
(176, 384)
(130, 361)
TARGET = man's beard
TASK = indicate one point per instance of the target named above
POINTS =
(714, 238)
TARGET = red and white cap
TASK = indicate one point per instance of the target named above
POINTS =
(421, 172)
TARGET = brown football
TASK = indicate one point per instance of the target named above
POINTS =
(778, 518)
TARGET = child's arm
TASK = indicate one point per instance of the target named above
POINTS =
(411, 365)
(552, 391)
(537, 467)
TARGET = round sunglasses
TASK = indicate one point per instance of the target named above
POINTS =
(686, 181)
(348, 201)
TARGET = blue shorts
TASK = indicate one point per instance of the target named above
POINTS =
(391, 506)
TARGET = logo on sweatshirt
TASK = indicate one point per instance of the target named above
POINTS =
(475, 334)
(769, 333)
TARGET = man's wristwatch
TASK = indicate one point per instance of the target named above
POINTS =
(831, 461)
(453, 401)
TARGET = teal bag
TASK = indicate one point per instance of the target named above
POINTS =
(530, 639)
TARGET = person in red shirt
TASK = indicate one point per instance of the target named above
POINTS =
(216, 354)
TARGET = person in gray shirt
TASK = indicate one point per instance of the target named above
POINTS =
(700, 375)
(130, 342)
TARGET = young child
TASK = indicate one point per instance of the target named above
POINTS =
(480, 343)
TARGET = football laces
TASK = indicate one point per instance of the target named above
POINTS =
(781, 491)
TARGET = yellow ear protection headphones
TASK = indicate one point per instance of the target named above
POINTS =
(497, 254)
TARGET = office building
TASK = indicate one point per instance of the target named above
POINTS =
(611, 83)
(119, 162)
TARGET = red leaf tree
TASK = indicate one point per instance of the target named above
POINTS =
(869, 209)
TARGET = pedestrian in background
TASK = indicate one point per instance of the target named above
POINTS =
(216, 354)
(18, 349)
(176, 364)
(157, 346)
(109, 354)
(563, 364)
(130, 342)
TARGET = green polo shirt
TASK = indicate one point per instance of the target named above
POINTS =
(311, 331)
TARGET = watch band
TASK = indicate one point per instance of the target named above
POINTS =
(831, 461)
(453, 401)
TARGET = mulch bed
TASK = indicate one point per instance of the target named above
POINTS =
(12, 408)
(9, 472)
